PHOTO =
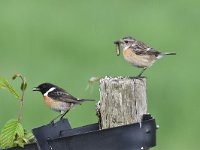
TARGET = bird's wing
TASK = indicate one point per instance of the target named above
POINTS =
(142, 49)
(62, 95)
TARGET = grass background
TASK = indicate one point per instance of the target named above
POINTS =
(67, 42)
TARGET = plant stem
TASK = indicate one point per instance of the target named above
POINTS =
(21, 101)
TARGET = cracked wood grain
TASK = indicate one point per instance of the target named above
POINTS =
(123, 101)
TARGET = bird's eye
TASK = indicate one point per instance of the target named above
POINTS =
(126, 42)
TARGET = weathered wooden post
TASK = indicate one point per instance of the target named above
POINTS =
(123, 101)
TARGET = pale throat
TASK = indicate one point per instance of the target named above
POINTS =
(50, 90)
(128, 46)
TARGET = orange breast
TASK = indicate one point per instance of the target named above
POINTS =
(57, 105)
(137, 60)
(49, 101)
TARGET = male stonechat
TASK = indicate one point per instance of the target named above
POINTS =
(58, 99)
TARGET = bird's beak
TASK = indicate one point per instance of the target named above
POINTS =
(36, 89)
(117, 43)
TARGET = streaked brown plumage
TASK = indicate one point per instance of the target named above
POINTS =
(138, 53)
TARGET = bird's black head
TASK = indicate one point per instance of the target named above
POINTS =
(44, 87)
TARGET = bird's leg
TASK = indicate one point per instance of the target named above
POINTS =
(63, 114)
(142, 72)
(52, 121)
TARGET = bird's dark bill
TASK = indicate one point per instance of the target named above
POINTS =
(116, 42)
(36, 89)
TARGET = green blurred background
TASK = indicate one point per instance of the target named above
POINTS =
(67, 42)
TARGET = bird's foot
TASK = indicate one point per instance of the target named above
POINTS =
(137, 77)
(61, 118)
(140, 75)
(52, 122)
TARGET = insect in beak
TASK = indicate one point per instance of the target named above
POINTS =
(117, 43)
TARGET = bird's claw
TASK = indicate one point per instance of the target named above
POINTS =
(52, 122)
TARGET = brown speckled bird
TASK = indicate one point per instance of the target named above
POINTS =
(138, 53)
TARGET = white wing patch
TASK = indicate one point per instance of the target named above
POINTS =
(148, 49)
(159, 56)
(50, 90)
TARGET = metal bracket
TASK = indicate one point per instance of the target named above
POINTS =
(60, 136)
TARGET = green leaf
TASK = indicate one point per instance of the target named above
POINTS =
(19, 142)
(29, 137)
(20, 130)
(11, 134)
(5, 84)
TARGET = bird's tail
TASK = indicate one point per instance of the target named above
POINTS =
(85, 100)
(171, 53)
(165, 53)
